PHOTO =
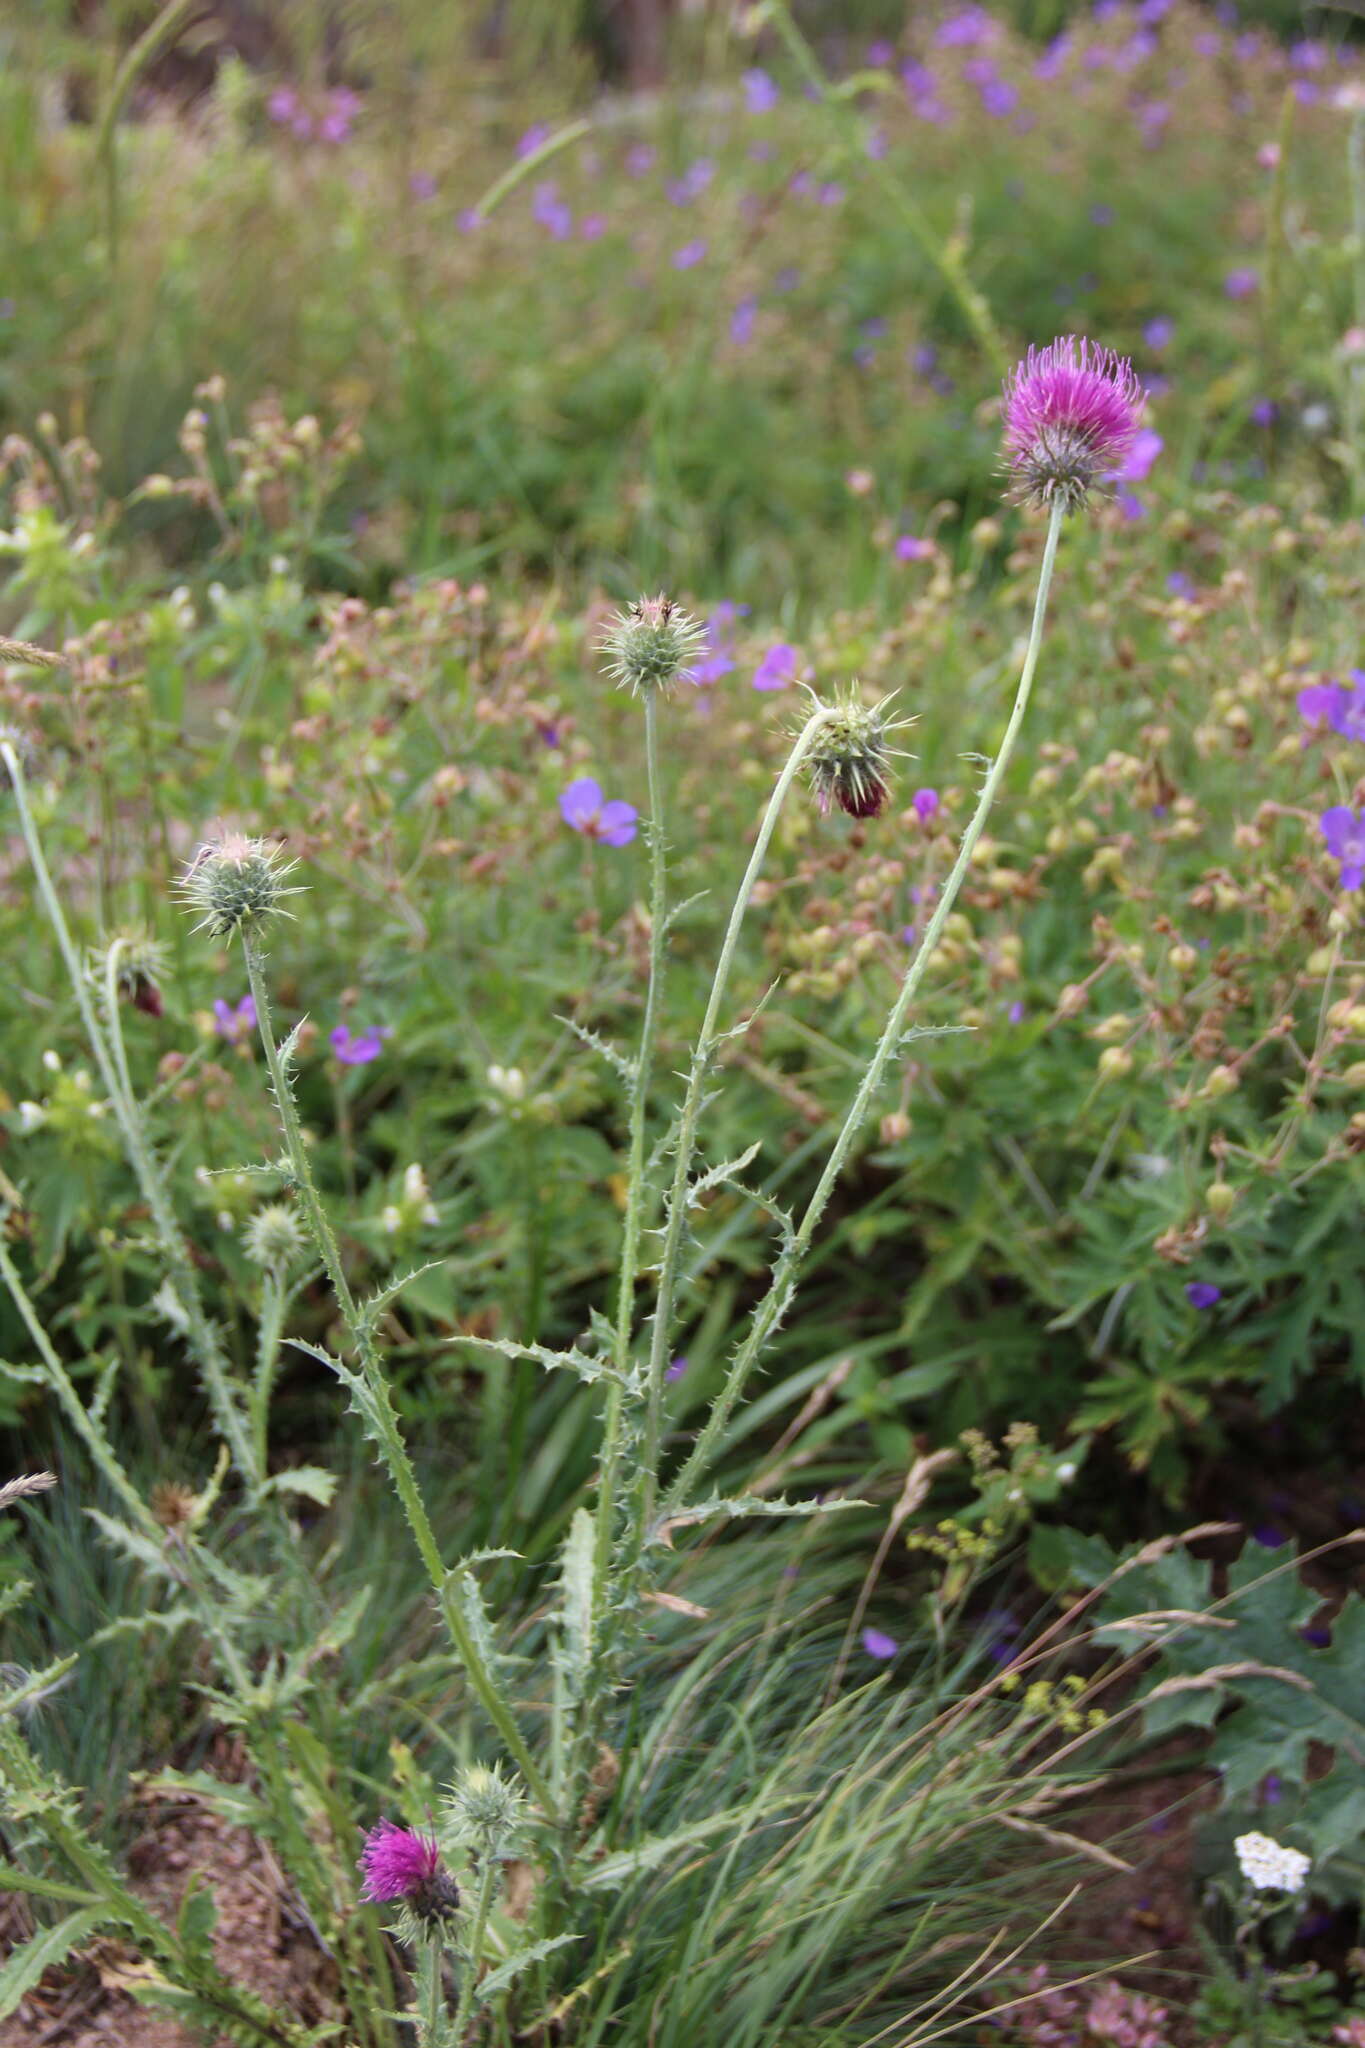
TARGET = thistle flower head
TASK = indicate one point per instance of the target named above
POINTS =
(237, 885)
(486, 1806)
(651, 644)
(1071, 417)
(402, 1867)
(274, 1238)
(849, 759)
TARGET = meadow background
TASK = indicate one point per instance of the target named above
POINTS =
(355, 364)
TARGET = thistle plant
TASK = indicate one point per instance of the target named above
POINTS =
(1071, 413)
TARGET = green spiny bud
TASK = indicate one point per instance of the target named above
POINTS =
(651, 644)
(274, 1238)
(486, 1806)
(849, 760)
(236, 885)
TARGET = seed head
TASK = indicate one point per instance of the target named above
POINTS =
(849, 760)
(274, 1238)
(237, 884)
(651, 644)
(1071, 416)
(173, 1505)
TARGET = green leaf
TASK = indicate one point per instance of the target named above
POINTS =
(50, 1945)
(508, 1972)
(197, 1918)
(309, 1480)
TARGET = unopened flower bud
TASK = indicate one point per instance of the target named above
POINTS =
(651, 644)
(848, 759)
(237, 884)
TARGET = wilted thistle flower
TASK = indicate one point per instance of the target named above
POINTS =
(651, 644)
(486, 1806)
(274, 1237)
(849, 760)
(139, 969)
(173, 1505)
(1071, 417)
(236, 884)
(405, 1868)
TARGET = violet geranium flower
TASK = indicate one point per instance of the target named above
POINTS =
(1202, 1293)
(583, 807)
(400, 1866)
(777, 668)
(234, 1021)
(1344, 831)
(1072, 414)
(359, 1048)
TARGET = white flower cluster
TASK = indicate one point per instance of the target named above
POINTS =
(1267, 1866)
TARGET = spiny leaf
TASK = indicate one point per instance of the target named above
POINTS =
(738, 1507)
(309, 1480)
(626, 1068)
(50, 1945)
(508, 1972)
(587, 1367)
(719, 1176)
(371, 1310)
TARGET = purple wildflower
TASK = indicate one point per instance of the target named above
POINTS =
(1321, 704)
(551, 212)
(398, 1864)
(1241, 284)
(926, 803)
(234, 1021)
(689, 256)
(910, 547)
(538, 132)
(1147, 445)
(282, 105)
(776, 669)
(582, 806)
(1159, 333)
(1202, 1293)
(679, 1366)
(639, 160)
(760, 94)
(1348, 717)
(879, 1645)
(1179, 584)
(359, 1048)
(742, 322)
(1071, 417)
(1344, 831)
(422, 185)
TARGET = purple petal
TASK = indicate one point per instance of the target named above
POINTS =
(616, 824)
(581, 803)
(878, 1645)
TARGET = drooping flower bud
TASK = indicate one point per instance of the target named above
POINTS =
(139, 968)
(1072, 413)
(849, 759)
(651, 644)
(237, 885)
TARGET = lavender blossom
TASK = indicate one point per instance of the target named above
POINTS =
(358, 1049)
(583, 806)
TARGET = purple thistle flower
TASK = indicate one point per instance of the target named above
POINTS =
(282, 105)
(399, 1865)
(878, 1645)
(358, 1049)
(582, 806)
(234, 1021)
(1241, 284)
(925, 803)
(1344, 831)
(1202, 1293)
(776, 669)
(1071, 417)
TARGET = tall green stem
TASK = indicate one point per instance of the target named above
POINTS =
(470, 1975)
(380, 1410)
(635, 1172)
(782, 1282)
(110, 1058)
(703, 1053)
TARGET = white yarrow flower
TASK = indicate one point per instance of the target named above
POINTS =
(1267, 1867)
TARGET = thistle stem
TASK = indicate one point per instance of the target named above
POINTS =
(380, 1410)
(782, 1282)
(635, 1169)
(470, 1975)
(703, 1054)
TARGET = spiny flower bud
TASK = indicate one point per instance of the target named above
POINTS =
(274, 1238)
(485, 1805)
(139, 964)
(848, 760)
(236, 884)
(651, 644)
